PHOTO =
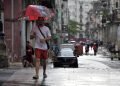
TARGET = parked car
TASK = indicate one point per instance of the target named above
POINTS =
(66, 58)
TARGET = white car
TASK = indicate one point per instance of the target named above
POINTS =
(66, 58)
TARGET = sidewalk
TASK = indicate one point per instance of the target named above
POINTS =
(6, 73)
(17, 75)
(104, 51)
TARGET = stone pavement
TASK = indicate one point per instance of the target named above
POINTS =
(5, 73)
(82, 76)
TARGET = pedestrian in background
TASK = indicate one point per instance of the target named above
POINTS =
(91, 45)
(95, 48)
(29, 55)
(86, 49)
(78, 49)
(42, 34)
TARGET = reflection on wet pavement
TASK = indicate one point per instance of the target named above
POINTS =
(91, 72)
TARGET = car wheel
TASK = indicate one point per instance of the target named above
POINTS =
(75, 65)
(56, 64)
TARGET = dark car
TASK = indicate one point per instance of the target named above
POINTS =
(66, 58)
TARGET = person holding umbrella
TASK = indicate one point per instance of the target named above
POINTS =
(42, 34)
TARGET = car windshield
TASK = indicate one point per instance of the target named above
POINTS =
(66, 52)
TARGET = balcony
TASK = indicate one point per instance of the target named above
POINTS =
(116, 16)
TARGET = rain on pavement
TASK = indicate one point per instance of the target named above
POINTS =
(93, 70)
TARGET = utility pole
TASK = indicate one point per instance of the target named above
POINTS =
(81, 16)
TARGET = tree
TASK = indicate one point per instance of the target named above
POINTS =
(72, 27)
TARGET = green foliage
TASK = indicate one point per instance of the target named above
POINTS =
(72, 27)
(105, 13)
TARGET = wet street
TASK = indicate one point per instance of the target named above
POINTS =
(93, 70)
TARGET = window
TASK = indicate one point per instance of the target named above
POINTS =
(116, 4)
(1, 5)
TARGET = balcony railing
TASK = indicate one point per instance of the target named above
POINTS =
(116, 16)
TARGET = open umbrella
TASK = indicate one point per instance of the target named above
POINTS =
(33, 12)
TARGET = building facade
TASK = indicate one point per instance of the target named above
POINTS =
(11, 27)
(17, 31)
(78, 10)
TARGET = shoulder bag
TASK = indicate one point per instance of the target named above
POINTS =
(44, 37)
